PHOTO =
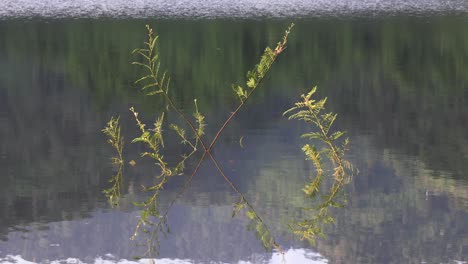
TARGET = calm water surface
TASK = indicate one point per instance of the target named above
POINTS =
(399, 85)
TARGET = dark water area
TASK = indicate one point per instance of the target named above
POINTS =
(398, 84)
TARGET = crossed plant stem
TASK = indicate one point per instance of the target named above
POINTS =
(207, 150)
(309, 110)
(255, 78)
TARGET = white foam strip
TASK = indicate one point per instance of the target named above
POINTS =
(291, 256)
(220, 8)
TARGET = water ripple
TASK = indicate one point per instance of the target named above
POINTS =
(223, 8)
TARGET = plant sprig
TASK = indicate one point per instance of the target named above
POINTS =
(313, 111)
(115, 139)
(157, 82)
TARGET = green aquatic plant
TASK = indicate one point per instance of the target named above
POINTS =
(156, 82)
(313, 112)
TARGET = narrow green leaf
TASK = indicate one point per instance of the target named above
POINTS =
(143, 78)
(154, 42)
(155, 92)
(149, 85)
(141, 64)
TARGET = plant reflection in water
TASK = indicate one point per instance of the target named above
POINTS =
(153, 220)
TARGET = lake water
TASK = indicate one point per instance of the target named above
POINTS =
(398, 83)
